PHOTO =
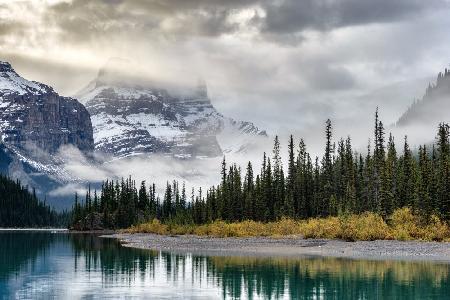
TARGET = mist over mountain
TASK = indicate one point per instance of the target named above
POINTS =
(434, 105)
(58, 145)
(133, 116)
(425, 114)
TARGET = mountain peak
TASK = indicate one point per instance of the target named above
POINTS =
(5, 67)
(13, 83)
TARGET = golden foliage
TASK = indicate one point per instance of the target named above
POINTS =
(407, 226)
(365, 227)
(329, 228)
(402, 225)
(154, 226)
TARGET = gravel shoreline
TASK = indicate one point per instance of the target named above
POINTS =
(289, 247)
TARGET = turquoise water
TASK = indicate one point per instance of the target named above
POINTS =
(45, 265)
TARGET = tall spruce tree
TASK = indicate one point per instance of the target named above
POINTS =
(327, 177)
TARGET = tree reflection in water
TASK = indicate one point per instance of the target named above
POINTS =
(15, 252)
(250, 277)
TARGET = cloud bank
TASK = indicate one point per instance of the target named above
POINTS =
(286, 65)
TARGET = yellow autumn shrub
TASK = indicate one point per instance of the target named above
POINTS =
(403, 225)
(365, 227)
(155, 226)
(329, 228)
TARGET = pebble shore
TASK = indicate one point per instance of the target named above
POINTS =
(288, 247)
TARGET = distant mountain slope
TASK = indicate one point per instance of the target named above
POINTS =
(433, 108)
(132, 117)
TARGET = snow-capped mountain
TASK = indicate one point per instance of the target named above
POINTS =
(46, 140)
(35, 122)
(132, 117)
(33, 114)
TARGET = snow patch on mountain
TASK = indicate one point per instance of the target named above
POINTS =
(12, 83)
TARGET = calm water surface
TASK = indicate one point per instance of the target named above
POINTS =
(45, 265)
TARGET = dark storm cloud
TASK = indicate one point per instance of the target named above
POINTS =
(171, 6)
(86, 19)
(279, 21)
(290, 16)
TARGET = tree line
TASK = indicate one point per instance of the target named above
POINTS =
(342, 181)
(20, 208)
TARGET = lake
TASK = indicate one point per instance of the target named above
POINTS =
(46, 265)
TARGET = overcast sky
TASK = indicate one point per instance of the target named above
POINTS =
(286, 65)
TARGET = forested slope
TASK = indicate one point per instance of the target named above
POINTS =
(20, 208)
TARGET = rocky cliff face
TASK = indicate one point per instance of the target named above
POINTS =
(34, 123)
(131, 118)
(34, 115)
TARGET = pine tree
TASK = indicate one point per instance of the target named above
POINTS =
(327, 163)
(406, 177)
(443, 149)
(367, 201)
(425, 204)
(269, 195)
(378, 165)
(278, 186)
(143, 198)
(388, 180)
(249, 194)
(167, 203)
(291, 199)
(349, 178)
(301, 188)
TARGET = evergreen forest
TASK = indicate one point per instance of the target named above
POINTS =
(342, 181)
(20, 208)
